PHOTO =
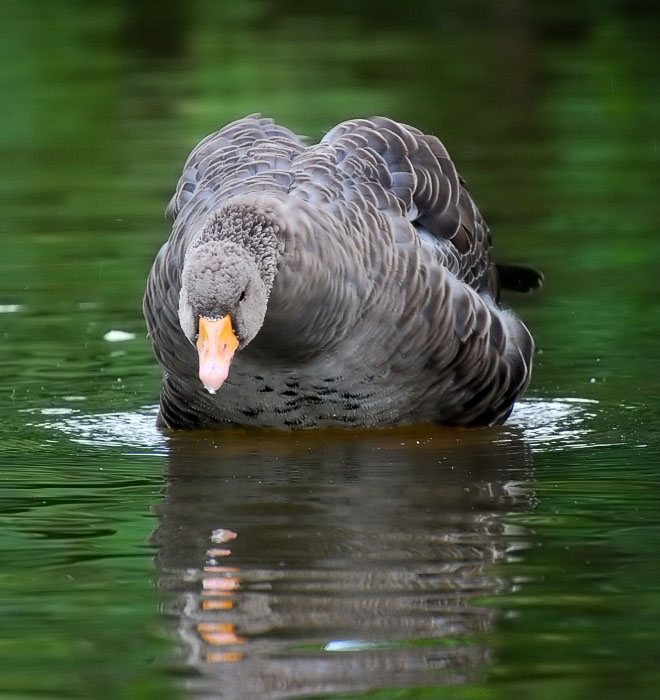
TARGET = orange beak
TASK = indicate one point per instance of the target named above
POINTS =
(216, 345)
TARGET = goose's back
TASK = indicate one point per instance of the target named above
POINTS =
(375, 166)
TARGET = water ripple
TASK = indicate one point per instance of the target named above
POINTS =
(135, 429)
(561, 423)
(564, 422)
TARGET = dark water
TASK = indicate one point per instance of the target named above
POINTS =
(514, 562)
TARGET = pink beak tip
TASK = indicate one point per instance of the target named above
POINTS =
(213, 377)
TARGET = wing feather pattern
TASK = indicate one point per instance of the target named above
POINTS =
(391, 256)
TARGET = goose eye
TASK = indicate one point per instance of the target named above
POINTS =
(241, 299)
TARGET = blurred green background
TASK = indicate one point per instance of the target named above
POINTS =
(549, 110)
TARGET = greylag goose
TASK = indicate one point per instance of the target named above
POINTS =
(347, 283)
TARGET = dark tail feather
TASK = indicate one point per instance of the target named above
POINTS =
(519, 278)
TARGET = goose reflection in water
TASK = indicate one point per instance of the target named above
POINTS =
(337, 562)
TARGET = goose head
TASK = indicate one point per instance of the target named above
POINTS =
(226, 279)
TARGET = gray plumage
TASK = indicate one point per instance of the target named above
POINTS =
(358, 275)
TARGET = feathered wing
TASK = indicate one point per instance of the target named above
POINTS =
(247, 155)
(417, 170)
(481, 355)
(377, 163)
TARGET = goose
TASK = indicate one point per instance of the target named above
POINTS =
(348, 283)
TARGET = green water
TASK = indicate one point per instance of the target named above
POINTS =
(517, 562)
